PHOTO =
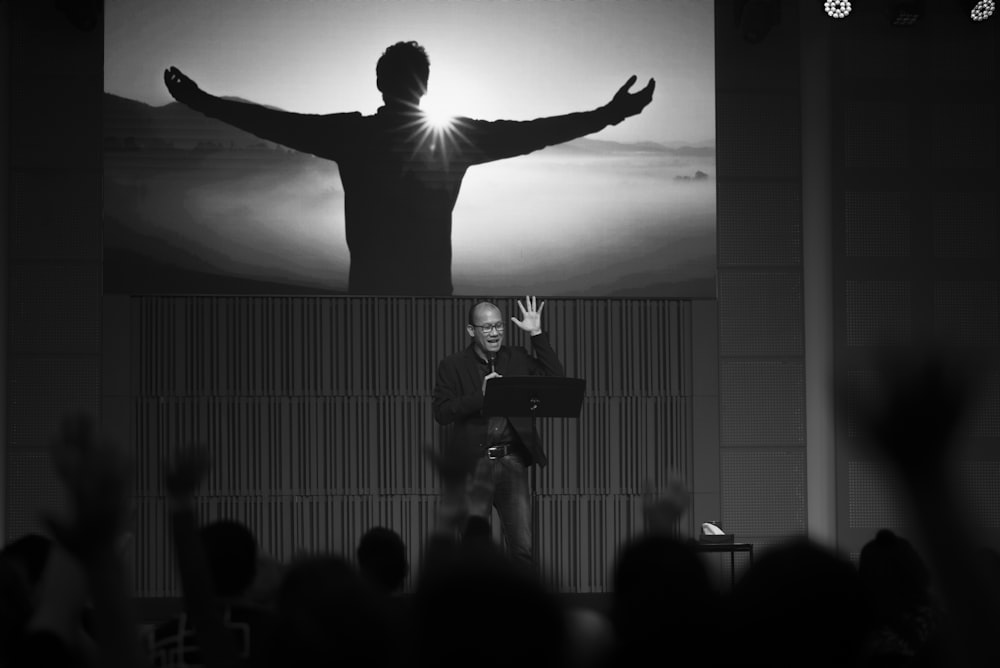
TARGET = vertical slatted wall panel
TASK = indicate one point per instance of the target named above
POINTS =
(317, 411)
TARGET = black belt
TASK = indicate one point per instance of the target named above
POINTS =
(500, 450)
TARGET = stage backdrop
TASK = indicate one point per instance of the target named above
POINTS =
(194, 206)
(317, 414)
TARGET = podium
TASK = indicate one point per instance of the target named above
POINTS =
(533, 396)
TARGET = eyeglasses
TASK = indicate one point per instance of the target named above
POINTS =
(486, 329)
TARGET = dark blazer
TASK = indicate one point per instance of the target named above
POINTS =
(458, 395)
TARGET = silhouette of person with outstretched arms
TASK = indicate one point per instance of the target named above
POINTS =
(401, 175)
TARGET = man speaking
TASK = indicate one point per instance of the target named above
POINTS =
(510, 444)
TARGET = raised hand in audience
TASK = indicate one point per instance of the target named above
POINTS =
(479, 504)
(914, 413)
(662, 509)
(95, 474)
(914, 421)
(184, 475)
(453, 468)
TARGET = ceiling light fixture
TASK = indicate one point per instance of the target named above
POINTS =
(982, 10)
(838, 9)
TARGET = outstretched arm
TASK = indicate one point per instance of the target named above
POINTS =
(310, 133)
(504, 139)
(625, 104)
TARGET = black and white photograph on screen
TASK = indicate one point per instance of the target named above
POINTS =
(564, 148)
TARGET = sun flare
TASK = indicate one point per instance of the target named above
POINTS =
(438, 112)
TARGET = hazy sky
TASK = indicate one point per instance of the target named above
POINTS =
(516, 59)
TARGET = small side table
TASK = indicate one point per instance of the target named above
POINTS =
(731, 548)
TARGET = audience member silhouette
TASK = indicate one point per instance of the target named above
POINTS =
(16, 609)
(85, 566)
(231, 559)
(23, 564)
(474, 605)
(915, 422)
(468, 585)
(28, 554)
(328, 615)
(382, 562)
(591, 637)
(401, 175)
(263, 591)
(800, 604)
(381, 555)
(906, 621)
(662, 598)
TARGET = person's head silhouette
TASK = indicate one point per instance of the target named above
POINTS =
(402, 72)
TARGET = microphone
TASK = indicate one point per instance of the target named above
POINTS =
(493, 362)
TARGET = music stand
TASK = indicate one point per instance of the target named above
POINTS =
(533, 396)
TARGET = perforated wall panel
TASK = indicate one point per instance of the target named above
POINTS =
(917, 113)
(760, 312)
(55, 306)
(961, 57)
(964, 136)
(864, 387)
(31, 488)
(762, 402)
(876, 136)
(42, 390)
(759, 224)
(985, 417)
(44, 40)
(874, 498)
(51, 216)
(53, 236)
(760, 281)
(44, 134)
(878, 312)
(877, 224)
(980, 485)
(967, 313)
(761, 132)
(965, 225)
(763, 491)
(875, 57)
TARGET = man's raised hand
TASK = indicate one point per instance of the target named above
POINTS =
(625, 104)
(531, 316)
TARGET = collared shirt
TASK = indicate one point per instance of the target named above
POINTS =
(498, 429)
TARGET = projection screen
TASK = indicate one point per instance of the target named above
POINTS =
(197, 206)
